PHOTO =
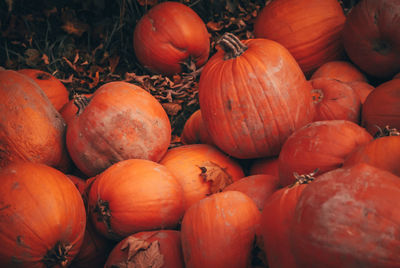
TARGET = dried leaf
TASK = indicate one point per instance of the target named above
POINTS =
(133, 245)
(32, 57)
(151, 257)
(216, 175)
(215, 26)
(45, 59)
(147, 2)
(172, 108)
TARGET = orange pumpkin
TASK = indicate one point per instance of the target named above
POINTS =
(219, 231)
(362, 89)
(309, 29)
(70, 110)
(30, 127)
(201, 170)
(194, 130)
(121, 121)
(135, 195)
(170, 36)
(339, 70)
(42, 217)
(52, 87)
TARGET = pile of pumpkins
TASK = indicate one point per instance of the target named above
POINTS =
(91, 182)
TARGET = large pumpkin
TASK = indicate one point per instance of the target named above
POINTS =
(169, 36)
(309, 29)
(371, 37)
(52, 87)
(121, 121)
(321, 145)
(219, 231)
(253, 95)
(346, 218)
(202, 170)
(31, 129)
(135, 195)
(382, 107)
(42, 217)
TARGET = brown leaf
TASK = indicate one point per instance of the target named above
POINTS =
(133, 245)
(45, 59)
(32, 57)
(147, 2)
(216, 175)
(172, 108)
(150, 257)
(215, 26)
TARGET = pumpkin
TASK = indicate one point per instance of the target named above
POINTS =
(219, 231)
(381, 108)
(201, 170)
(134, 195)
(70, 109)
(321, 145)
(121, 121)
(362, 89)
(42, 217)
(80, 183)
(194, 130)
(346, 218)
(371, 37)
(257, 187)
(267, 165)
(276, 218)
(382, 152)
(31, 129)
(52, 87)
(169, 37)
(94, 250)
(252, 96)
(335, 100)
(340, 70)
(309, 29)
(156, 249)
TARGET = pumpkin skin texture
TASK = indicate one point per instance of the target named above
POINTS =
(362, 89)
(30, 127)
(70, 110)
(383, 153)
(52, 87)
(335, 100)
(42, 214)
(371, 37)
(345, 218)
(381, 108)
(121, 121)
(201, 170)
(257, 187)
(309, 29)
(322, 144)
(161, 248)
(252, 102)
(194, 131)
(268, 165)
(135, 195)
(340, 70)
(219, 231)
(276, 218)
(169, 35)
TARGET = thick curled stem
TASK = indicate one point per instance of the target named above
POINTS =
(81, 102)
(232, 46)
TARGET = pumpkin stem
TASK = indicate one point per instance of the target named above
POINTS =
(57, 255)
(304, 178)
(232, 46)
(387, 131)
(81, 102)
(317, 95)
(216, 175)
(103, 212)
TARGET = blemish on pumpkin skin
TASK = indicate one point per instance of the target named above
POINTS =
(229, 105)
(153, 28)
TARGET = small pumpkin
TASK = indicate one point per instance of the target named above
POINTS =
(252, 96)
(121, 121)
(321, 145)
(335, 100)
(267, 165)
(362, 89)
(156, 249)
(345, 218)
(42, 217)
(219, 231)
(202, 170)
(31, 129)
(309, 29)
(171, 37)
(52, 87)
(340, 70)
(381, 108)
(70, 109)
(135, 195)
(194, 130)
(371, 37)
